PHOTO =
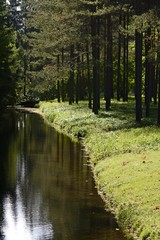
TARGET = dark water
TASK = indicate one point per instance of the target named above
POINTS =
(46, 189)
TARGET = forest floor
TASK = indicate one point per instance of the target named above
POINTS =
(125, 160)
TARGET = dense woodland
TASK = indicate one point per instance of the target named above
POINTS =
(76, 50)
(9, 60)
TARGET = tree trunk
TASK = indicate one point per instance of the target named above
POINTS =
(109, 64)
(125, 58)
(58, 83)
(153, 72)
(63, 92)
(25, 77)
(119, 62)
(138, 75)
(78, 74)
(127, 55)
(158, 117)
(95, 59)
(89, 77)
(138, 67)
(158, 77)
(155, 84)
(82, 79)
(58, 91)
(71, 78)
(147, 72)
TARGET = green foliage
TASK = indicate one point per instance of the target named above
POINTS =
(9, 62)
(50, 27)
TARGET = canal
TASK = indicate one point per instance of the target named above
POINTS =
(46, 187)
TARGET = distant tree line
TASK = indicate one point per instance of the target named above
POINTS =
(76, 50)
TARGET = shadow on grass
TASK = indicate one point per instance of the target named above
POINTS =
(124, 113)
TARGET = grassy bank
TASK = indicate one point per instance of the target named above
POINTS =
(125, 158)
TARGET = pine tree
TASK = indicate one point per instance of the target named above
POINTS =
(9, 69)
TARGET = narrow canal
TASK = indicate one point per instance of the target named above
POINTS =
(46, 188)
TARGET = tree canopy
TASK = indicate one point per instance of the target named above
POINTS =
(93, 49)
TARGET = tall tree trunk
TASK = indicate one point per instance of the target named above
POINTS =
(25, 77)
(138, 67)
(58, 82)
(147, 72)
(119, 62)
(158, 117)
(58, 91)
(109, 64)
(71, 78)
(78, 74)
(63, 93)
(125, 58)
(89, 77)
(98, 60)
(153, 72)
(158, 77)
(156, 84)
(138, 75)
(82, 78)
(95, 59)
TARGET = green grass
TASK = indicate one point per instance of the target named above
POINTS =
(125, 159)
(130, 184)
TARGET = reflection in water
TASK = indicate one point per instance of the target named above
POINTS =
(46, 189)
(16, 224)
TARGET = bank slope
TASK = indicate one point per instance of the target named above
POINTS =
(125, 159)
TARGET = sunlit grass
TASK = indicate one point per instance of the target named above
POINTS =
(132, 184)
(125, 158)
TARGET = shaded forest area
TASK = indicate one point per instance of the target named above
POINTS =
(83, 50)
(9, 58)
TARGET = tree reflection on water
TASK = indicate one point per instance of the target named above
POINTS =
(46, 187)
(22, 224)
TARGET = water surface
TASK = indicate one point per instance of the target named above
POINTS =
(46, 188)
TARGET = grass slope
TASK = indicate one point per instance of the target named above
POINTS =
(125, 159)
